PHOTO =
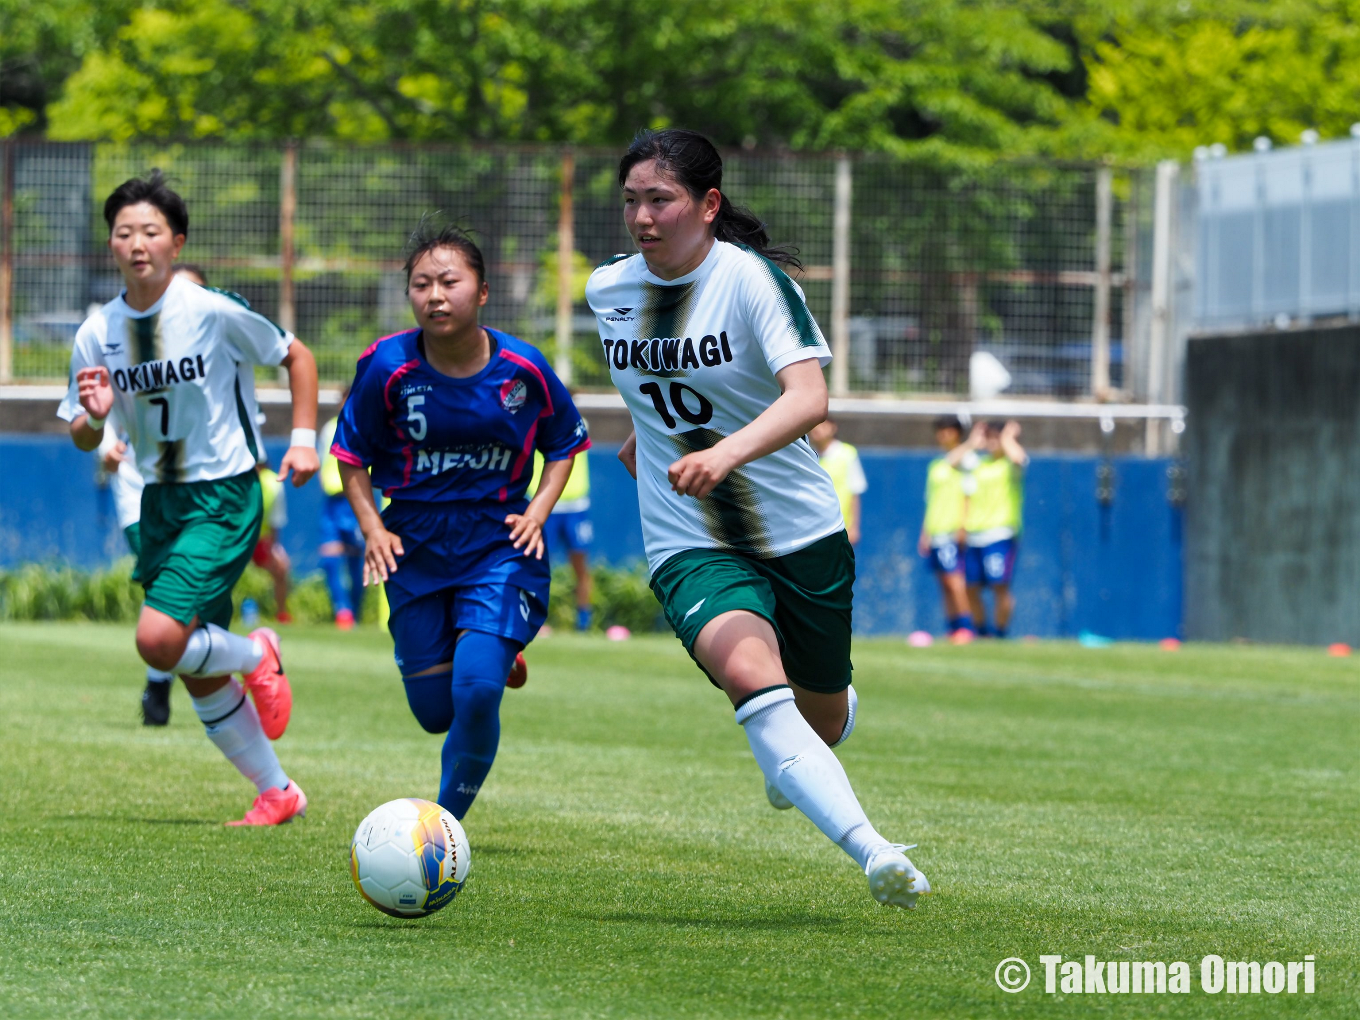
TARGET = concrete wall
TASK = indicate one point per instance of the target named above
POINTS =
(1113, 569)
(1273, 459)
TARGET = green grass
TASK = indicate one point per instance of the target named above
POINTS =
(1127, 802)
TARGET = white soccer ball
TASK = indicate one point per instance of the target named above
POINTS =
(409, 858)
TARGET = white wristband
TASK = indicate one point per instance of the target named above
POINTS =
(303, 437)
(95, 423)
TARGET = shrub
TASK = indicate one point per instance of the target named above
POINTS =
(37, 591)
(619, 596)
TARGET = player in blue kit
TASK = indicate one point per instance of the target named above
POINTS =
(446, 418)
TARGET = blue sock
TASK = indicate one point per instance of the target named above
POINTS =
(999, 631)
(965, 622)
(583, 617)
(951, 624)
(431, 700)
(356, 582)
(481, 662)
(335, 582)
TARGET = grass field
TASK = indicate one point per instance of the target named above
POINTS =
(1127, 802)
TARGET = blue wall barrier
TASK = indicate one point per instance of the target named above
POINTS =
(1113, 570)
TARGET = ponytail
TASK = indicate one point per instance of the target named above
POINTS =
(691, 160)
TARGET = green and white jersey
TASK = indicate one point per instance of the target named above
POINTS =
(695, 359)
(183, 379)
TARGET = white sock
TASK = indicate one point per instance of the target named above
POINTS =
(158, 676)
(234, 726)
(797, 761)
(212, 651)
(852, 701)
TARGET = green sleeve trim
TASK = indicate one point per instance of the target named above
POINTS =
(800, 324)
(231, 295)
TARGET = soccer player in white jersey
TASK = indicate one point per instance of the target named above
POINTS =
(177, 361)
(720, 363)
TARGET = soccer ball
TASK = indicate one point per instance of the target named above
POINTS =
(409, 858)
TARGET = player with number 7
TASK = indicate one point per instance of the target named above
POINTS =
(177, 362)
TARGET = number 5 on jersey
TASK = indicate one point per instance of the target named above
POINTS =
(418, 425)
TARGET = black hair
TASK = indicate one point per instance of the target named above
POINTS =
(192, 267)
(996, 426)
(948, 421)
(433, 232)
(153, 190)
(692, 161)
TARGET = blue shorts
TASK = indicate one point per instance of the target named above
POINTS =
(945, 559)
(425, 629)
(990, 564)
(459, 572)
(338, 523)
(571, 532)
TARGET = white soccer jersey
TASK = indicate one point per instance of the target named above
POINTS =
(125, 484)
(183, 379)
(695, 359)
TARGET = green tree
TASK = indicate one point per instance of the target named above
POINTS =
(41, 44)
(951, 77)
(1226, 73)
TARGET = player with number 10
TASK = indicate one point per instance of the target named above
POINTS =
(720, 363)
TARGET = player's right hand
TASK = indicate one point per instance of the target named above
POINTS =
(95, 391)
(381, 549)
(923, 545)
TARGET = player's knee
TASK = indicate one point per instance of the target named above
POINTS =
(159, 647)
(478, 704)
(751, 669)
(428, 697)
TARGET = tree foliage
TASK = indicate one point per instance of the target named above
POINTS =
(949, 79)
(882, 74)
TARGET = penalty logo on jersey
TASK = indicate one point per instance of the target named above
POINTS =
(513, 394)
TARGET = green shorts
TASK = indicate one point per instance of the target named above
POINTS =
(196, 539)
(806, 596)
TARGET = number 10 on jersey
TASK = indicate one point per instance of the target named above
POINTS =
(700, 415)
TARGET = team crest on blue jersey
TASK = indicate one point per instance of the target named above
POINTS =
(513, 394)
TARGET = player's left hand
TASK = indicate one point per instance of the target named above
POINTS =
(302, 461)
(698, 474)
(527, 531)
(113, 456)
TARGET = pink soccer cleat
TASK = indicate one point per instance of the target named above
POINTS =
(519, 672)
(269, 686)
(275, 806)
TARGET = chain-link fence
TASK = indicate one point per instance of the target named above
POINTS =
(1016, 260)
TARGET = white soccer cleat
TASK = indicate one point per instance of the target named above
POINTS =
(893, 879)
(776, 798)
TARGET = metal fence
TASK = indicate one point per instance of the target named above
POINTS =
(909, 270)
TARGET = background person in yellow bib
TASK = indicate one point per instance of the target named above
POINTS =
(994, 519)
(570, 531)
(948, 487)
(342, 543)
(841, 461)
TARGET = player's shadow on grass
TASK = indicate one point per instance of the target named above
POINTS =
(769, 923)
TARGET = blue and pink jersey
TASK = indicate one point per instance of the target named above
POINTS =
(430, 438)
(455, 456)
